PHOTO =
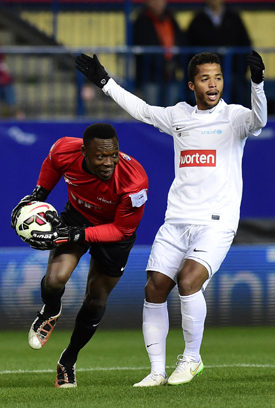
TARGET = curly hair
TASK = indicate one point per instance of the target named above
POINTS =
(200, 59)
(99, 131)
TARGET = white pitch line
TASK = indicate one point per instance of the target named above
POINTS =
(133, 368)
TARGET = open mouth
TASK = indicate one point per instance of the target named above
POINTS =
(212, 96)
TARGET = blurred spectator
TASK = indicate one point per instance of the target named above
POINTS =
(217, 25)
(158, 75)
(7, 93)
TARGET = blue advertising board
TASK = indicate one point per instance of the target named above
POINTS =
(242, 292)
(24, 146)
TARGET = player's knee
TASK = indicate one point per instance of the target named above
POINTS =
(95, 306)
(55, 282)
(186, 288)
(95, 302)
(155, 292)
(191, 277)
(188, 285)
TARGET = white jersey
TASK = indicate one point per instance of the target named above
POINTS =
(208, 146)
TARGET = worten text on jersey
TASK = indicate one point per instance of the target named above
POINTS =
(198, 158)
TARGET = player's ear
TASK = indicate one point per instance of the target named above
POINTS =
(191, 85)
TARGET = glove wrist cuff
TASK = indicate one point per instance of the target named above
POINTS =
(40, 193)
(257, 78)
(77, 235)
(103, 81)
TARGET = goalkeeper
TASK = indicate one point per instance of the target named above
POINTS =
(203, 201)
(107, 192)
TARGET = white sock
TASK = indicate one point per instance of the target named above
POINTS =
(193, 312)
(155, 329)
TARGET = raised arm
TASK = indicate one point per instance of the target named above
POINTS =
(258, 116)
(96, 73)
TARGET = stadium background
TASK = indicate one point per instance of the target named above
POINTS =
(40, 39)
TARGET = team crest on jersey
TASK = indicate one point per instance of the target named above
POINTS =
(198, 158)
(181, 132)
(126, 157)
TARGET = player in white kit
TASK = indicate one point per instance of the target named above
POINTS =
(203, 202)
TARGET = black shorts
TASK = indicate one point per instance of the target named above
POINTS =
(112, 257)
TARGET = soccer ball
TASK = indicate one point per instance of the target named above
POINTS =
(31, 217)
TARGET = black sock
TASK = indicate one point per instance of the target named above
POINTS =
(51, 300)
(86, 324)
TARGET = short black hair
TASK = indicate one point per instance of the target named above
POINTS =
(200, 59)
(99, 131)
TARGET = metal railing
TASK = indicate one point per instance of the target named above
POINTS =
(48, 86)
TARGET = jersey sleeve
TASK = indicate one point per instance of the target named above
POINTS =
(127, 219)
(259, 109)
(250, 122)
(157, 116)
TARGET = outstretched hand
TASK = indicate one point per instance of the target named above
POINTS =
(92, 69)
(257, 67)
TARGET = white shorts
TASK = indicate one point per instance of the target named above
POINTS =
(176, 242)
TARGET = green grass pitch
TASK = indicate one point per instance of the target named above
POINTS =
(239, 371)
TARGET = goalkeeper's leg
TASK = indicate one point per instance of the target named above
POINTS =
(62, 262)
(86, 324)
(43, 325)
(99, 286)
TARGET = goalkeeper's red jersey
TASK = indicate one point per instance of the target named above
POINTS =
(114, 207)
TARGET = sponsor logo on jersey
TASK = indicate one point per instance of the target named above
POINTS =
(198, 158)
(85, 203)
(212, 132)
(106, 201)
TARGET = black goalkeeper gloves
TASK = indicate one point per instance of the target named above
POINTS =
(38, 194)
(257, 67)
(92, 69)
(60, 234)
